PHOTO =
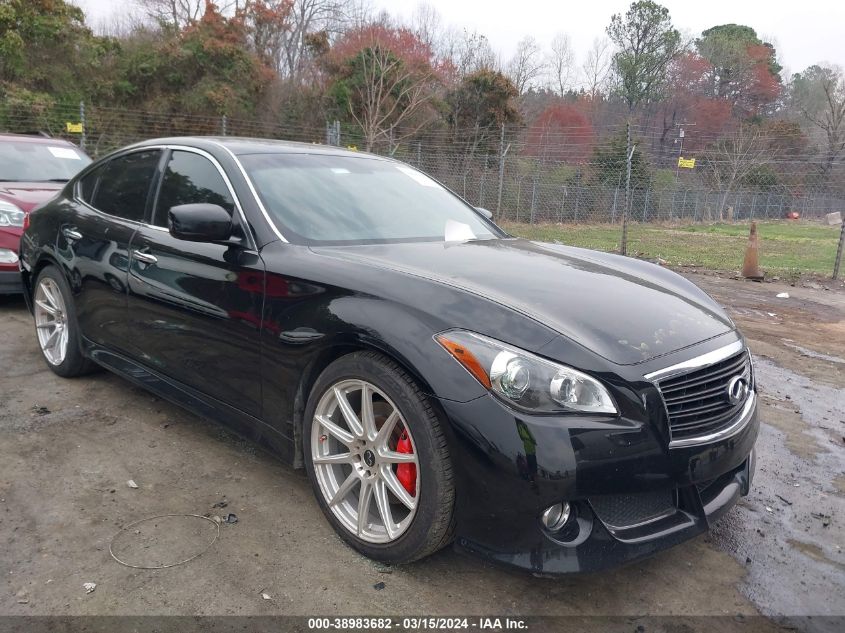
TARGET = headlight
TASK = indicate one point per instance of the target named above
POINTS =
(10, 215)
(524, 379)
(8, 256)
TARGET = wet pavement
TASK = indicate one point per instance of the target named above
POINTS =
(790, 531)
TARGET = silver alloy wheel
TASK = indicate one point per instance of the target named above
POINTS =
(354, 451)
(51, 321)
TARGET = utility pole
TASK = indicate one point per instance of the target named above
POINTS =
(839, 248)
(82, 138)
(680, 138)
(503, 151)
(628, 158)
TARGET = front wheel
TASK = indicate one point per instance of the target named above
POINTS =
(378, 460)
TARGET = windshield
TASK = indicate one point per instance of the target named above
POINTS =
(24, 161)
(323, 199)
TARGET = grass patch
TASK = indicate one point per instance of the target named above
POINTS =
(786, 248)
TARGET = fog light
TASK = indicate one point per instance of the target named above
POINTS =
(556, 516)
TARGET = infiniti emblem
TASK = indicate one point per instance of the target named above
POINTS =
(737, 389)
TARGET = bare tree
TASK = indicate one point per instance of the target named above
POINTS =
(819, 95)
(306, 18)
(427, 25)
(597, 66)
(526, 65)
(351, 14)
(269, 21)
(179, 13)
(466, 51)
(736, 156)
(561, 64)
(120, 24)
(389, 99)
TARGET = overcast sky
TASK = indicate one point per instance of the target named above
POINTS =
(804, 31)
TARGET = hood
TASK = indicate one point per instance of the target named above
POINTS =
(626, 310)
(28, 195)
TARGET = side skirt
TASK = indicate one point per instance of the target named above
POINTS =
(202, 405)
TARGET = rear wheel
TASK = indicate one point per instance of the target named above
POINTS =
(378, 460)
(56, 326)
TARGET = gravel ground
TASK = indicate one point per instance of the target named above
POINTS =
(69, 447)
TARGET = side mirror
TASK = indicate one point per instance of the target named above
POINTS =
(487, 214)
(201, 222)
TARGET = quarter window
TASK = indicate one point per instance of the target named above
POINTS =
(189, 179)
(124, 185)
(87, 186)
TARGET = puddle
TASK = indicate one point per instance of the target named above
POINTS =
(765, 315)
(790, 531)
(811, 353)
(814, 552)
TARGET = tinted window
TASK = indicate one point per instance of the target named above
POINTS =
(88, 185)
(124, 184)
(188, 179)
(326, 199)
(29, 161)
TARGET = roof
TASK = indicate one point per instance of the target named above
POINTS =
(33, 138)
(244, 145)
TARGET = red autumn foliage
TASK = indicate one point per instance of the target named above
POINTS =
(402, 42)
(689, 75)
(764, 87)
(712, 119)
(561, 133)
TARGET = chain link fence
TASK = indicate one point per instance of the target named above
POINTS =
(516, 185)
(535, 192)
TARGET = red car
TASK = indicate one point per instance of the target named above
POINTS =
(32, 170)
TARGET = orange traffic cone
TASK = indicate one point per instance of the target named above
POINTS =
(750, 267)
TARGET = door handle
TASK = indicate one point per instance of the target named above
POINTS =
(141, 256)
(71, 233)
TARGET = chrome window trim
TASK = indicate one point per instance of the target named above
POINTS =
(698, 362)
(78, 184)
(253, 190)
(201, 152)
(107, 215)
(739, 424)
(251, 244)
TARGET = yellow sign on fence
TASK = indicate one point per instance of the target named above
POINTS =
(688, 163)
(74, 128)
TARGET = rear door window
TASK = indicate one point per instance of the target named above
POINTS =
(124, 185)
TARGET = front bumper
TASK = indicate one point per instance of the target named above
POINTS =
(523, 464)
(10, 282)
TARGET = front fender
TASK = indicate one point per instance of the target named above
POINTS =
(297, 350)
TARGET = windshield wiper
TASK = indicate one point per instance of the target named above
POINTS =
(54, 180)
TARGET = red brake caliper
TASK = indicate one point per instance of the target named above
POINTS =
(406, 473)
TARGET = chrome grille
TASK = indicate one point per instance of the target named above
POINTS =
(697, 401)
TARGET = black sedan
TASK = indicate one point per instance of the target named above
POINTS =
(548, 407)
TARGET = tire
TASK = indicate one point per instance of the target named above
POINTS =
(51, 291)
(416, 532)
